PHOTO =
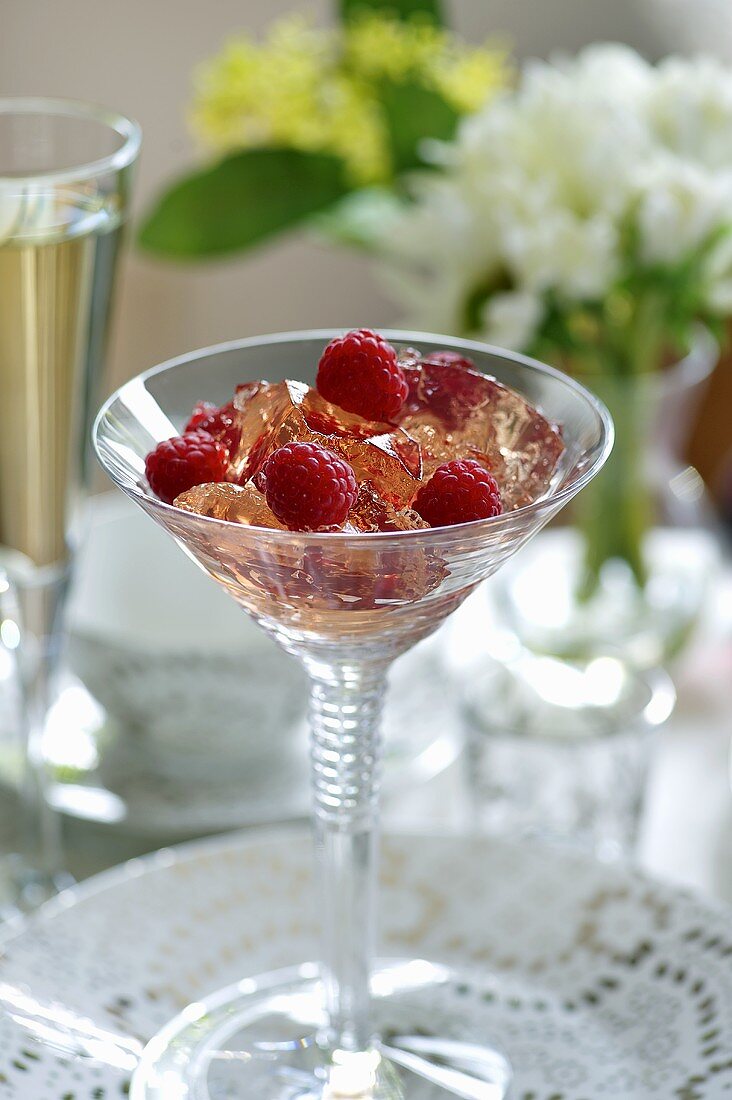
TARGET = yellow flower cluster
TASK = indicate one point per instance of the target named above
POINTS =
(314, 89)
(378, 46)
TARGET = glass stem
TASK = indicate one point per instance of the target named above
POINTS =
(40, 870)
(346, 703)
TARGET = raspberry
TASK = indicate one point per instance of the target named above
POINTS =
(450, 359)
(202, 410)
(359, 372)
(186, 460)
(308, 487)
(457, 492)
(218, 422)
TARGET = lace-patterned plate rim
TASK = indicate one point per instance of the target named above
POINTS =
(598, 981)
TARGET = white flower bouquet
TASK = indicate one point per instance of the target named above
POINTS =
(583, 217)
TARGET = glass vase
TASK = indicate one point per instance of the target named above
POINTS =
(629, 573)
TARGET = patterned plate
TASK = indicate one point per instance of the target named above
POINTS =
(598, 982)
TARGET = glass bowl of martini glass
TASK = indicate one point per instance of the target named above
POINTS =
(345, 603)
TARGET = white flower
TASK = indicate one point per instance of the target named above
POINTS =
(690, 110)
(528, 187)
(550, 247)
(686, 192)
(535, 196)
(681, 205)
(510, 320)
(608, 71)
(573, 151)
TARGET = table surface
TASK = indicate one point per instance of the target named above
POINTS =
(686, 834)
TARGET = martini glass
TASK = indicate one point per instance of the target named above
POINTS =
(344, 606)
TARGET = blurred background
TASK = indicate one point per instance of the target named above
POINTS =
(164, 309)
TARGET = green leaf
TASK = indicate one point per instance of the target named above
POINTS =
(413, 113)
(403, 9)
(242, 201)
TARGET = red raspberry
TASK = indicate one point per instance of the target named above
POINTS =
(202, 410)
(450, 359)
(186, 460)
(457, 492)
(359, 372)
(308, 487)
(219, 422)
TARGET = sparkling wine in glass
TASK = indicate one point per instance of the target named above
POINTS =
(65, 176)
(345, 605)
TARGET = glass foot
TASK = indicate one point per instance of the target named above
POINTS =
(23, 886)
(263, 1038)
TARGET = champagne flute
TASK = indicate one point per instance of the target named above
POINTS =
(65, 177)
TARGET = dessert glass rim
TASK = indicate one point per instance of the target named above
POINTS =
(400, 336)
